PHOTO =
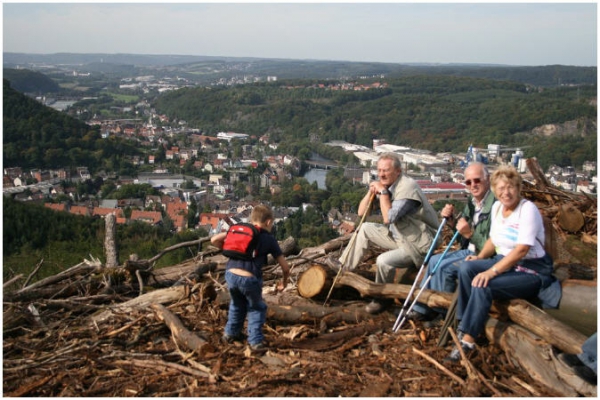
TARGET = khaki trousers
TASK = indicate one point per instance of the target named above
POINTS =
(399, 254)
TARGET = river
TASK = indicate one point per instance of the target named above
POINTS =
(317, 175)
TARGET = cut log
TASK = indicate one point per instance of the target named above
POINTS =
(520, 311)
(309, 314)
(190, 269)
(315, 282)
(570, 218)
(162, 296)
(181, 334)
(536, 357)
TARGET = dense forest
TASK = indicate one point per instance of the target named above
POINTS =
(34, 234)
(203, 70)
(27, 81)
(438, 113)
(36, 136)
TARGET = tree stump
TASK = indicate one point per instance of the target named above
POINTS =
(570, 218)
(112, 258)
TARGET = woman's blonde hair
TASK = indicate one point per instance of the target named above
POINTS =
(506, 173)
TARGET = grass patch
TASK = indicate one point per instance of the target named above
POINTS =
(127, 98)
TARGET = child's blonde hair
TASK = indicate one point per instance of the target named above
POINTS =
(261, 214)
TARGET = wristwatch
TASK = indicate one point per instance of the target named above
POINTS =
(384, 192)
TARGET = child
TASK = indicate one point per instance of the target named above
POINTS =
(244, 279)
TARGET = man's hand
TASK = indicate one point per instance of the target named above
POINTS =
(447, 211)
(464, 228)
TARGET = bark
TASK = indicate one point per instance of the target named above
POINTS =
(110, 246)
(534, 168)
(520, 311)
(180, 333)
(162, 296)
(534, 356)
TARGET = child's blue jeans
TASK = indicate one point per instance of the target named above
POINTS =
(246, 299)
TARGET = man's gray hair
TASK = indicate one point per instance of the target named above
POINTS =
(391, 156)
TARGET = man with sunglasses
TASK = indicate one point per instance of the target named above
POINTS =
(474, 228)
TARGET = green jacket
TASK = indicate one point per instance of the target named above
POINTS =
(482, 228)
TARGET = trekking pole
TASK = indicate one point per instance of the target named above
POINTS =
(351, 243)
(425, 261)
(450, 320)
(398, 326)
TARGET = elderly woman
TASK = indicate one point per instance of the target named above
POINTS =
(512, 263)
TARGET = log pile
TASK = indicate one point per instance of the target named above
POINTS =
(128, 330)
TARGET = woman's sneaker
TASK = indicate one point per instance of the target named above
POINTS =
(454, 355)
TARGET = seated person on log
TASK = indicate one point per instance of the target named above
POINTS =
(474, 229)
(512, 264)
(245, 282)
(408, 229)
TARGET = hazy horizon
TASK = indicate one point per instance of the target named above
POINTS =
(520, 34)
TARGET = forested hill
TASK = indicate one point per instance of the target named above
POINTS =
(27, 81)
(36, 136)
(207, 68)
(436, 113)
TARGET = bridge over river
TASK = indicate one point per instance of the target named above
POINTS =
(320, 164)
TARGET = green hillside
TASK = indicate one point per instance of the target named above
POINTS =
(27, 81)
(436, 113)
(36, 136)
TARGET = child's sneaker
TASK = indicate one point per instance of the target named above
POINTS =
(231, 339)
(258, 347)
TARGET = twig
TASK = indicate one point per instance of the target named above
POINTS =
(32, 274)
(525, 386)
(12, 280)
(439, 366)
(124, 328)
(471, 370)
(162, 366)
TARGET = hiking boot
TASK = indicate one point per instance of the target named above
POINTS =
(333, 263)
(575, 365)
(438, 320)
(377, 306)
(454, 355)
(417, 316)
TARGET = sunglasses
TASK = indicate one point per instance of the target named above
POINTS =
(476, 181)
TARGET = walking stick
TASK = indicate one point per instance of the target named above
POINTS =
(425, 261)
(397, 327)
(450, 320)
(351, 243)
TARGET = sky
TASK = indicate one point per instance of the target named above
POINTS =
(477, 32)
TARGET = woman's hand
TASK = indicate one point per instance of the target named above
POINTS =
(471, 257)
(482, 278)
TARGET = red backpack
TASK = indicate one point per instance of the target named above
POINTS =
(241, 241)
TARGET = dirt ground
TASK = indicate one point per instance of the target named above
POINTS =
(135, 355)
